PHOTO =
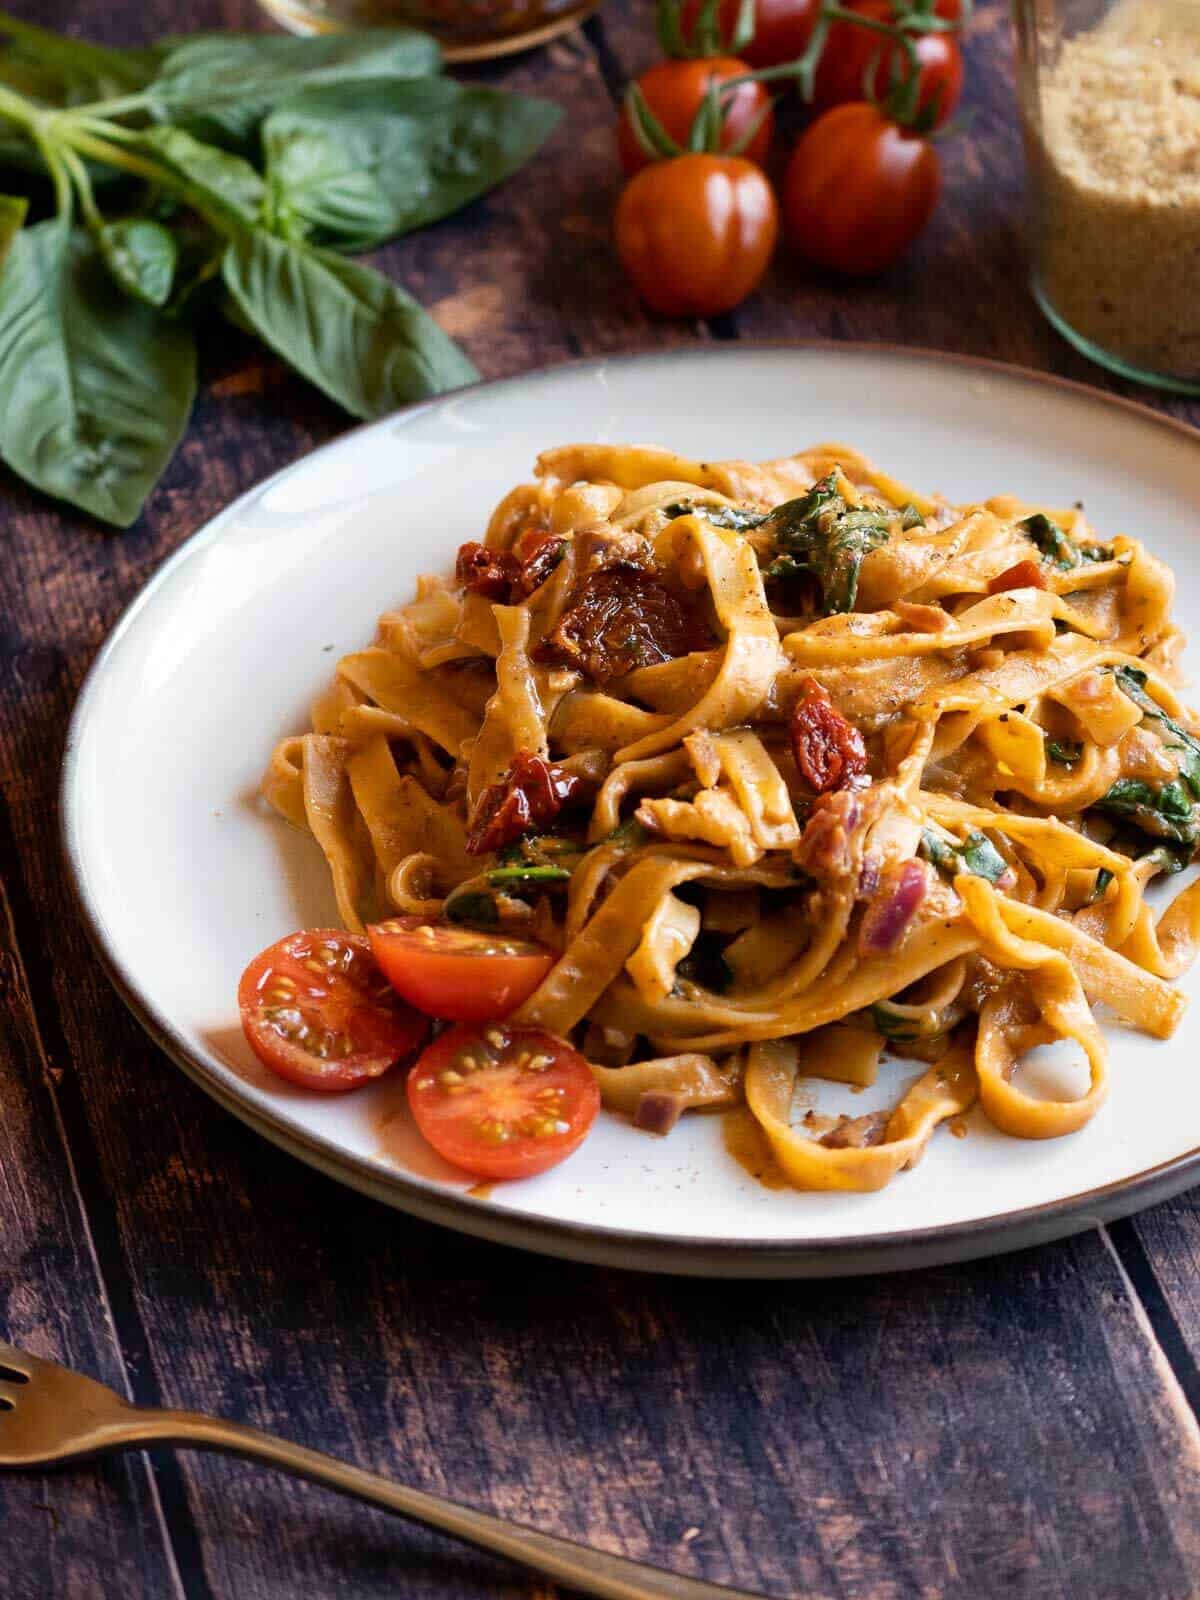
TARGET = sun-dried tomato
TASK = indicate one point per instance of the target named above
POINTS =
(538, 560)
(491, 573)
(829, 750)
(1024, 575)
(623, 618)
(506, 576)
(530, 795)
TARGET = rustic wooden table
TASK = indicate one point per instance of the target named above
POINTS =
(1018, 1427)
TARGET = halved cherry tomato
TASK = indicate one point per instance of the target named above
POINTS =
(695, 234)
(674, 91)
(458, 973)
(845, 72)
(782, 28)
(504, 1103)
(318, 1011)
(858, 190)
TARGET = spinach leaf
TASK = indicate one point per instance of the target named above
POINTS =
(221, 86)
(819, 533)
(1132, 681)
(976, 855)
(543, 858)
(352, 164)
(1170, 858)
(141, 255)
(352, 332)
(1100, 888)
(1059, 547)
(899, 1030)
(629, 835)
(95, 388)
(215, 181)
(473, 906)
(735, 517)
(1165, 812)
(1065, 751)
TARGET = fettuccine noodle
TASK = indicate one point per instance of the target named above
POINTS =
(827, 769)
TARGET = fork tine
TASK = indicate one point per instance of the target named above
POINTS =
(18, 1360)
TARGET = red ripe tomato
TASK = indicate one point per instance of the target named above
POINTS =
(505, 1103)
(858, 190)
(782, 28)
(845, 71)
(317, 1010)
(695, 234)
(457, 973)
(674, 90)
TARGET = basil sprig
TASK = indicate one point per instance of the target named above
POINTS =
(249, 161)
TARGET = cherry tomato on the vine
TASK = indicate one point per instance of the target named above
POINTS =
(858, 190)
(845, 71)
(674, 91)
(456, 973)
(782, 28)
(317, 1010)
(695, 234)
(504, 1103)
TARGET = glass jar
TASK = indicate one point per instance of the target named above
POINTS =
(1110, 109)
(467, 30)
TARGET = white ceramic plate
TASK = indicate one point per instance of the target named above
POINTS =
(183, 875)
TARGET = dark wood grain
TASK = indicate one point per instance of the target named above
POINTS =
(64, 1533)
(1023, 1427)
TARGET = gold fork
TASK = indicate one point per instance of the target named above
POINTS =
(50, 1415)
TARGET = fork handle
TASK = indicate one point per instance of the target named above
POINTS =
(589, 1571)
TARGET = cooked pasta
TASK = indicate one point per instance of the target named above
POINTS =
(790, 766)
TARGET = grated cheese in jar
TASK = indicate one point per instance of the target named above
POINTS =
(1112, 129)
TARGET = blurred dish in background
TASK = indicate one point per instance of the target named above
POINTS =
(1110, 105)
(467, 30)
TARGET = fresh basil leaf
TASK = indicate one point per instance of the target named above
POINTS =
(976, 855)
(1066, 752)
(348, 329)
(141, 256)
(354, 164)
(221, 86)
(910, 518)
(95, 388)
(13, 209)
(67, 71)
(221, 182)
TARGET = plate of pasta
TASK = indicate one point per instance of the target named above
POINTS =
(729, 811)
